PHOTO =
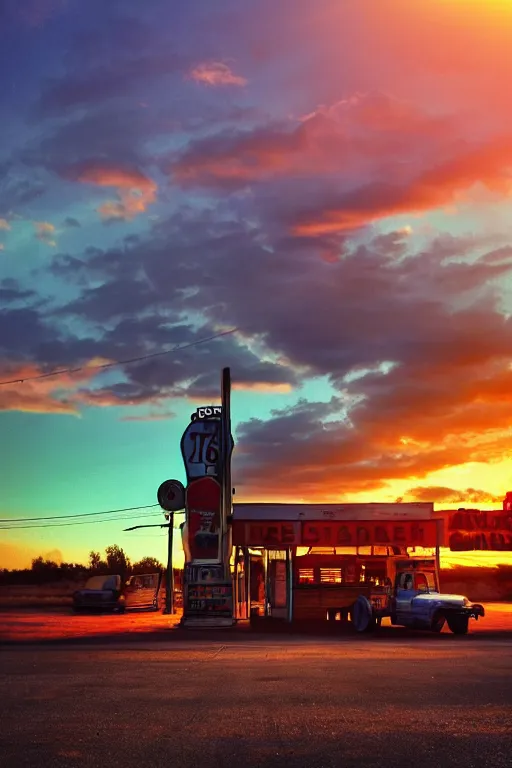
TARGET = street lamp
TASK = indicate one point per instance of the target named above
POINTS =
(171, 497)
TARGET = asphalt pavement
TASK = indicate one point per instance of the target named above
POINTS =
(401, 700)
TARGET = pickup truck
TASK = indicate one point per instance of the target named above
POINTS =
(415, 602)
(103, 593)
(107, 593)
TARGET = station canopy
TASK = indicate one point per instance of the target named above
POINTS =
(414, 524)
(335, 525)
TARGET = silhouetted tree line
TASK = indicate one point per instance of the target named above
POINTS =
(45, 571)
(479, 583)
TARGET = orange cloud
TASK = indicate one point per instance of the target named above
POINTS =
(55, 394)
(489, 165)
(135, 190)
(262, 386)
(409, 423)
(215, 73)
(106, 398)
(4, 225)
(443, 495)
(45, 232)
(343, 138)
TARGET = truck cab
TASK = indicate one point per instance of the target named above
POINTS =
(415, 601)
(418, 603)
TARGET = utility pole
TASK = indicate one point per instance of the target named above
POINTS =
(171, 497)
(169, 580)
(169, 576)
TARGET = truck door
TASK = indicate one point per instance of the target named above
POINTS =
(404, 596)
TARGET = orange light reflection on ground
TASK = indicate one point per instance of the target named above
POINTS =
(55, 624)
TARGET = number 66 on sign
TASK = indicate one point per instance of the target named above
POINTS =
(200, 448)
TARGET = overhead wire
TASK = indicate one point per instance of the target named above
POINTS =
(115, 363)
(83, 514)
(75, 522)
(13, 523)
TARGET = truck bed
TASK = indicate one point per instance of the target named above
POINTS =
(311, 601)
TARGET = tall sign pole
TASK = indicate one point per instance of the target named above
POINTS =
(226, 451)
(206, 448)
(169, 576)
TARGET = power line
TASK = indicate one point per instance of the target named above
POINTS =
(84, 514)
(62, 525)
(115, 363)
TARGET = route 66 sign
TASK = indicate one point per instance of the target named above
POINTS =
(200, 448)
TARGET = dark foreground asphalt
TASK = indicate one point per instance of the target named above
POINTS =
(419, 702)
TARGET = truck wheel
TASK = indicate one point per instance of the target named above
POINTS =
(362, 615)
(438, 623)
(458, 624)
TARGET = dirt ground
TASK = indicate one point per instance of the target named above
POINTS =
(47, 624)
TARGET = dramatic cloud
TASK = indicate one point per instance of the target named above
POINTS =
(110, 332)
(313, 452)
(413, 343)
(437, 187)
(45, 232)
(40, 396)
(11, 292)
(443, 495)
(358, 148)
(346, 138)
(135, 191)
(216, 73)
(310, 211)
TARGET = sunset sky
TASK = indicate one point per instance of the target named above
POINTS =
(332, 178)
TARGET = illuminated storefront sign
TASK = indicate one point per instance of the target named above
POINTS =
(360, 534)
(476, 530)
(267, 534)
(416, 533)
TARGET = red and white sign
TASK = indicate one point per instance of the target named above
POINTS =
(203, 505)
(470, 530)
(350, 533)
